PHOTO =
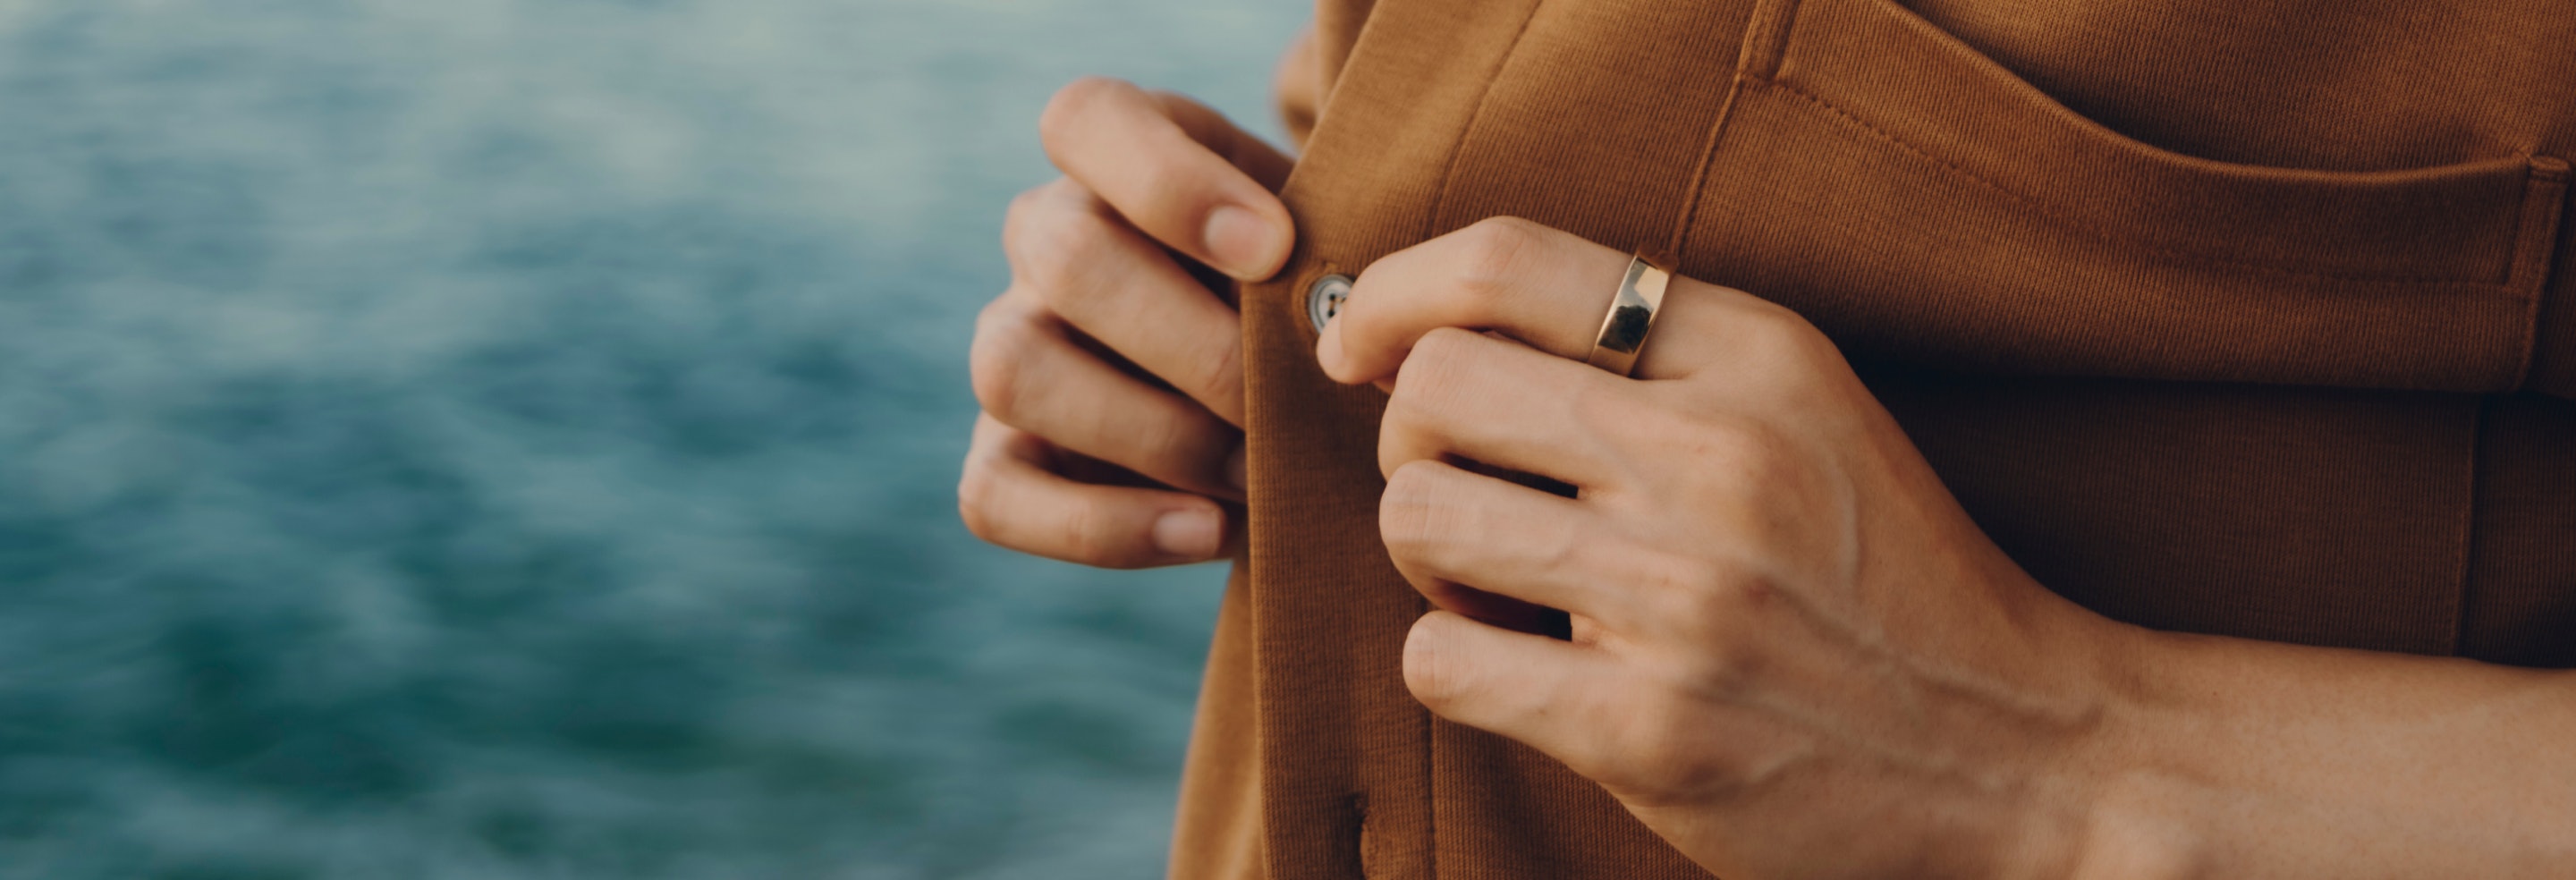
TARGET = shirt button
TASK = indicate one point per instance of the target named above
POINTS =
(1324, 298)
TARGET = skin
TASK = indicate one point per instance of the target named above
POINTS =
(1792, 654)
(1111, 378)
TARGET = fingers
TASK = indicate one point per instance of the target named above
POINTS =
(1030, 375)
(1545, 288)
(1178, 171)
(1445, 527)
(1098, 274)
(1010, 496)
(1497, 402)
(1534, 689)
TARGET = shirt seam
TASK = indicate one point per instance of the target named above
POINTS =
(2180, 256)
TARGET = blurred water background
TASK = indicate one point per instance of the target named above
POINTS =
(516, 438)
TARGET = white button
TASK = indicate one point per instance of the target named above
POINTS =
(1324, 298)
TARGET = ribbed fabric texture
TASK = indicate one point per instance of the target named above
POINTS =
(2224, 317)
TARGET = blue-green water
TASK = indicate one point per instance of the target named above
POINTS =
(516, 439)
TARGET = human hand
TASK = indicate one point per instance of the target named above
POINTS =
(1791, 653)
(1111, 377)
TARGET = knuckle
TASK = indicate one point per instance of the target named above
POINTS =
(1433, 371)
(1775, 335)
(1430, 670)
(982, 505)
(1168, 439)
(1720, 609)
(1001, 310)
(1722, 604)
(975, 504)
(1027, 203)
(1025, 222)
(1219, 375)
(1054, 250)
(1640, 414)
(1491, 252)
(1076, 103)
(1409, 513)
(1165, 195)
(1663, 752)
(1770, 319)
(1084, 533)
(1743, 458)
(994, 363)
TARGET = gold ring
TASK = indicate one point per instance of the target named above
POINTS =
(1632, 313)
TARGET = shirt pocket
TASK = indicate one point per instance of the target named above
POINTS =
(1922, 204)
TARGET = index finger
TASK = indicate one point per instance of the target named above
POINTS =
(1547, 289)
(1176, 170)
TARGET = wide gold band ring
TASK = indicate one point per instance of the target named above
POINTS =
(1632, 314)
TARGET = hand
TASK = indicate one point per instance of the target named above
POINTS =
(1791, 652)
(1111, 377)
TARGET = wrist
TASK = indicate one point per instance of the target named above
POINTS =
(2133, 817)
(2133, 830)
(2089, 795)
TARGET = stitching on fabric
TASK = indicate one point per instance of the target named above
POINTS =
(1484, 95)
(1689, 218)
(1758, 34)
(2158, 250)
(2534, 247)
(1766, 37)
(1431, 226)
(1754, 27)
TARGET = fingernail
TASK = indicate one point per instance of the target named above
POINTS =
(1188, 534)
(1243, 244)
(1234, 469)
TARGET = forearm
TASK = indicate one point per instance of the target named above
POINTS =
(2235, 758)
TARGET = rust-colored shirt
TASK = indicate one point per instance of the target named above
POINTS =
(2223, 316)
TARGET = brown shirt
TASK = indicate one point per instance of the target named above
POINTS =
(2222, 316)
